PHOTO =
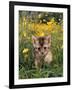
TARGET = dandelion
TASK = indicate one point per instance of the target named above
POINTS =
(49, 23)
(40, 34)
(24, 33)
(25, 50)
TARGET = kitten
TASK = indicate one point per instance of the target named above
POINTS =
(42, 52)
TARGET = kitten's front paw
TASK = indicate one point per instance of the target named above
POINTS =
(48, 58)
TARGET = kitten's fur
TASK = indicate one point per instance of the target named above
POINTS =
(42, 52)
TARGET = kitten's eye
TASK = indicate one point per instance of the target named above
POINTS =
(39, 48)
(45, 48)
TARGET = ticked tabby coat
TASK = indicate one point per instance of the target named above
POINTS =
(42, 50)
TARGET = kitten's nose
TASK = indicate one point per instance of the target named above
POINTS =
(42, 52)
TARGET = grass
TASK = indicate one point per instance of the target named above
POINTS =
(26, 65)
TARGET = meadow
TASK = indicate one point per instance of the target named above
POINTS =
(40, 24)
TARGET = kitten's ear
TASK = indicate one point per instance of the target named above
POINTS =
(34, 40)
(49, 39)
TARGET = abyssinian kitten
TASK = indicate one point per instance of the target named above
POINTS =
(42, 51)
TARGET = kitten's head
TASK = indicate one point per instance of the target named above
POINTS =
(42, 44)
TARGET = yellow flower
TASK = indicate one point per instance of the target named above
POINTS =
(24, 33)
(25, 50)
(49, 23)
(40, 33)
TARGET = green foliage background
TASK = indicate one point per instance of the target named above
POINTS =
(40, 24)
